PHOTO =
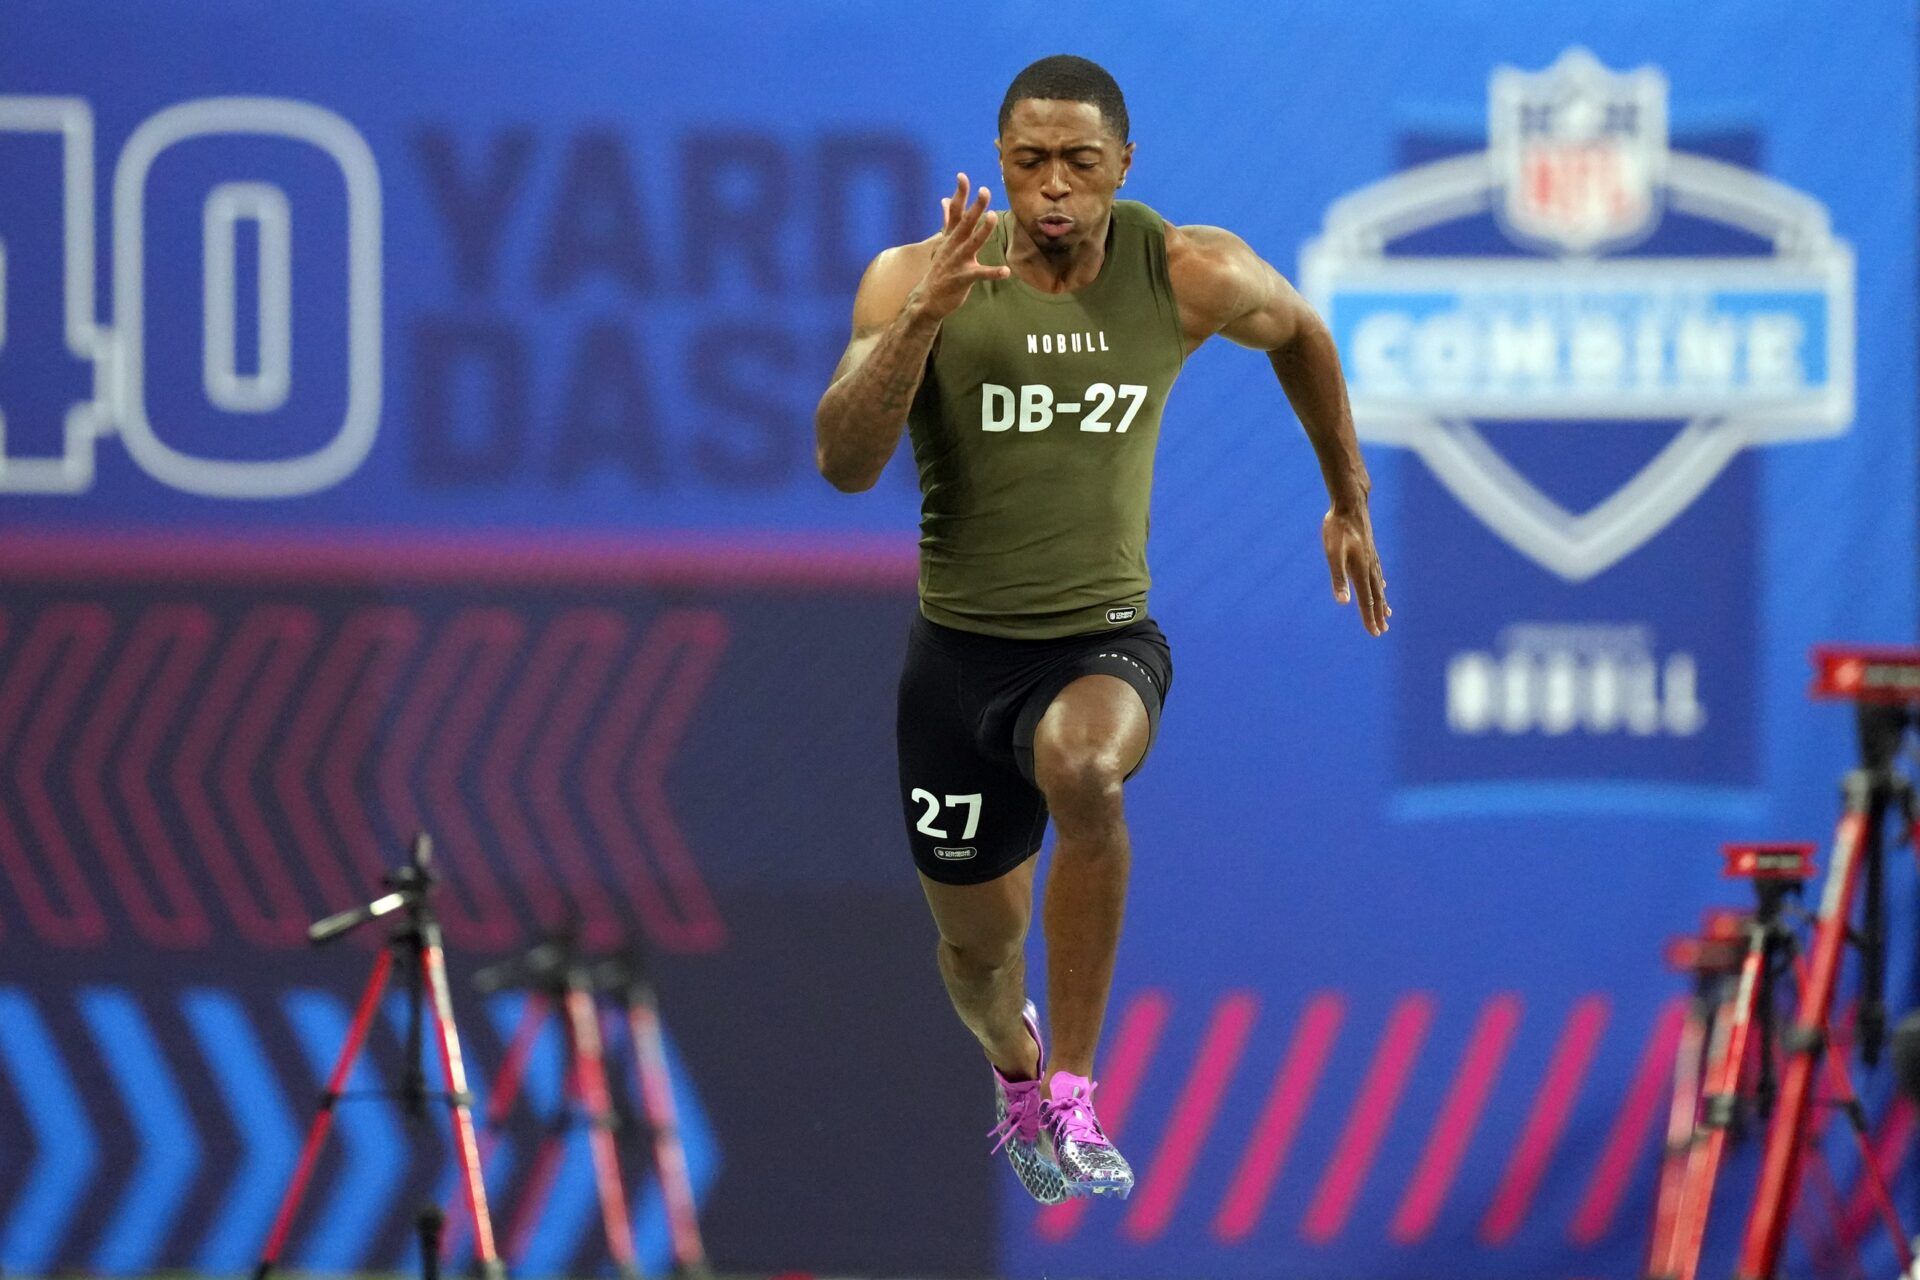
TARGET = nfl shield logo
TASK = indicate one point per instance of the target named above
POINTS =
(1580, 152)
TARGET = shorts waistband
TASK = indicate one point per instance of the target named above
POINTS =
(985, 648)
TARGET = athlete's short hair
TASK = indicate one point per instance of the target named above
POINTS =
(1066, 78)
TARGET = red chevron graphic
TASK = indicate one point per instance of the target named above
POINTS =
(470, 903)
(497, 636)
(1459, 1117)
(1293, 1088)
(696, 925)
(390, 635)
(146, 682)
(1533, 1153)
(1639, 1115)
(702, 635)
(39, 693)
(298, 760)
(1127, 1062)
(286, 636)
(1367, 1123)
(332, 726)
(576, 654)
(281, 922)
(1192, 1119)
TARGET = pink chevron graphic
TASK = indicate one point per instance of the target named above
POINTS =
(1639, 1116)
(702, 637)
(561, 689)
(192, 767)
(1818, 1217)
(145, 686)
(695, 925)
(1127, 1062)
(1293, 1089)
(1891, 1141)
(1459, 1117)
(299, 759)
(498, 634)
(443, 693)
(1533, 1153)
(389, 636)
(269, 742)
(1367, 1123)
(1192, 1120)
(37, 701)
(284, 637)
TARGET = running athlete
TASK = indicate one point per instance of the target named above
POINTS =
(1029, 356)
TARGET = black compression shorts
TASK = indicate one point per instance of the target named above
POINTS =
(969, 704)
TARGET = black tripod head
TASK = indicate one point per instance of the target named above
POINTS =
(1883, 683)
(625, 972)
(1777, 870)
(410, 884)
(546, 966)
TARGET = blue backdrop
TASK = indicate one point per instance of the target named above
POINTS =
(381, 384)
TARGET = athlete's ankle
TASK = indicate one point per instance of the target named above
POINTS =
(1081, 1068)
(1014, 1056)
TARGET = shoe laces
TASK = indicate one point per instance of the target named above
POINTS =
(1072, 1117)
(1025, 1109)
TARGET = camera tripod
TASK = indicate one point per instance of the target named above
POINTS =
(415, 945)
(1728, 1066)
(1781, 1086)
(558, 980)
(1884, 685)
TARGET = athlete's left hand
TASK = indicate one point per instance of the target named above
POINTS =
(1348, 535)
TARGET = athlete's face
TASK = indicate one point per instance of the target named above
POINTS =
(1060, 165)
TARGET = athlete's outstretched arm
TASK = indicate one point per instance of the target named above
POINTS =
(904, 297)
(1224, 287)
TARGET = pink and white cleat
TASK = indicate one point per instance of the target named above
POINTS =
(1017, 1109)
(1087, 1161)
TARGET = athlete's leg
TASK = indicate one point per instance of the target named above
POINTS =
(1092, 736)
(982, 957)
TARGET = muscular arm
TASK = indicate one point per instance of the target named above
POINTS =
(1231, 291)
(858, 424)
(1223, 287)
(903, 299)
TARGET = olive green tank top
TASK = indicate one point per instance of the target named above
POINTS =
(1034, 431)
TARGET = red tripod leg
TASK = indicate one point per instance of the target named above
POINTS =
(323, 1118)
(465, 1150)
(506, 1091)
(1733, 1033)
(1779, 1165)
(669, 1154)
(590, 1075)
(1682, 1118)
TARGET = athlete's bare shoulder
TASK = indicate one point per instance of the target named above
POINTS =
(1222, 286)
(888, 281)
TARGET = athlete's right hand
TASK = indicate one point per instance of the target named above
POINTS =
(956, 265)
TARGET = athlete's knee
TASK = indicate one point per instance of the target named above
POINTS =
(980, 958)
(1082, 783)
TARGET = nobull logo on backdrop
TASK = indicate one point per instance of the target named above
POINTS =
(1583, 325)
(543, 308)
